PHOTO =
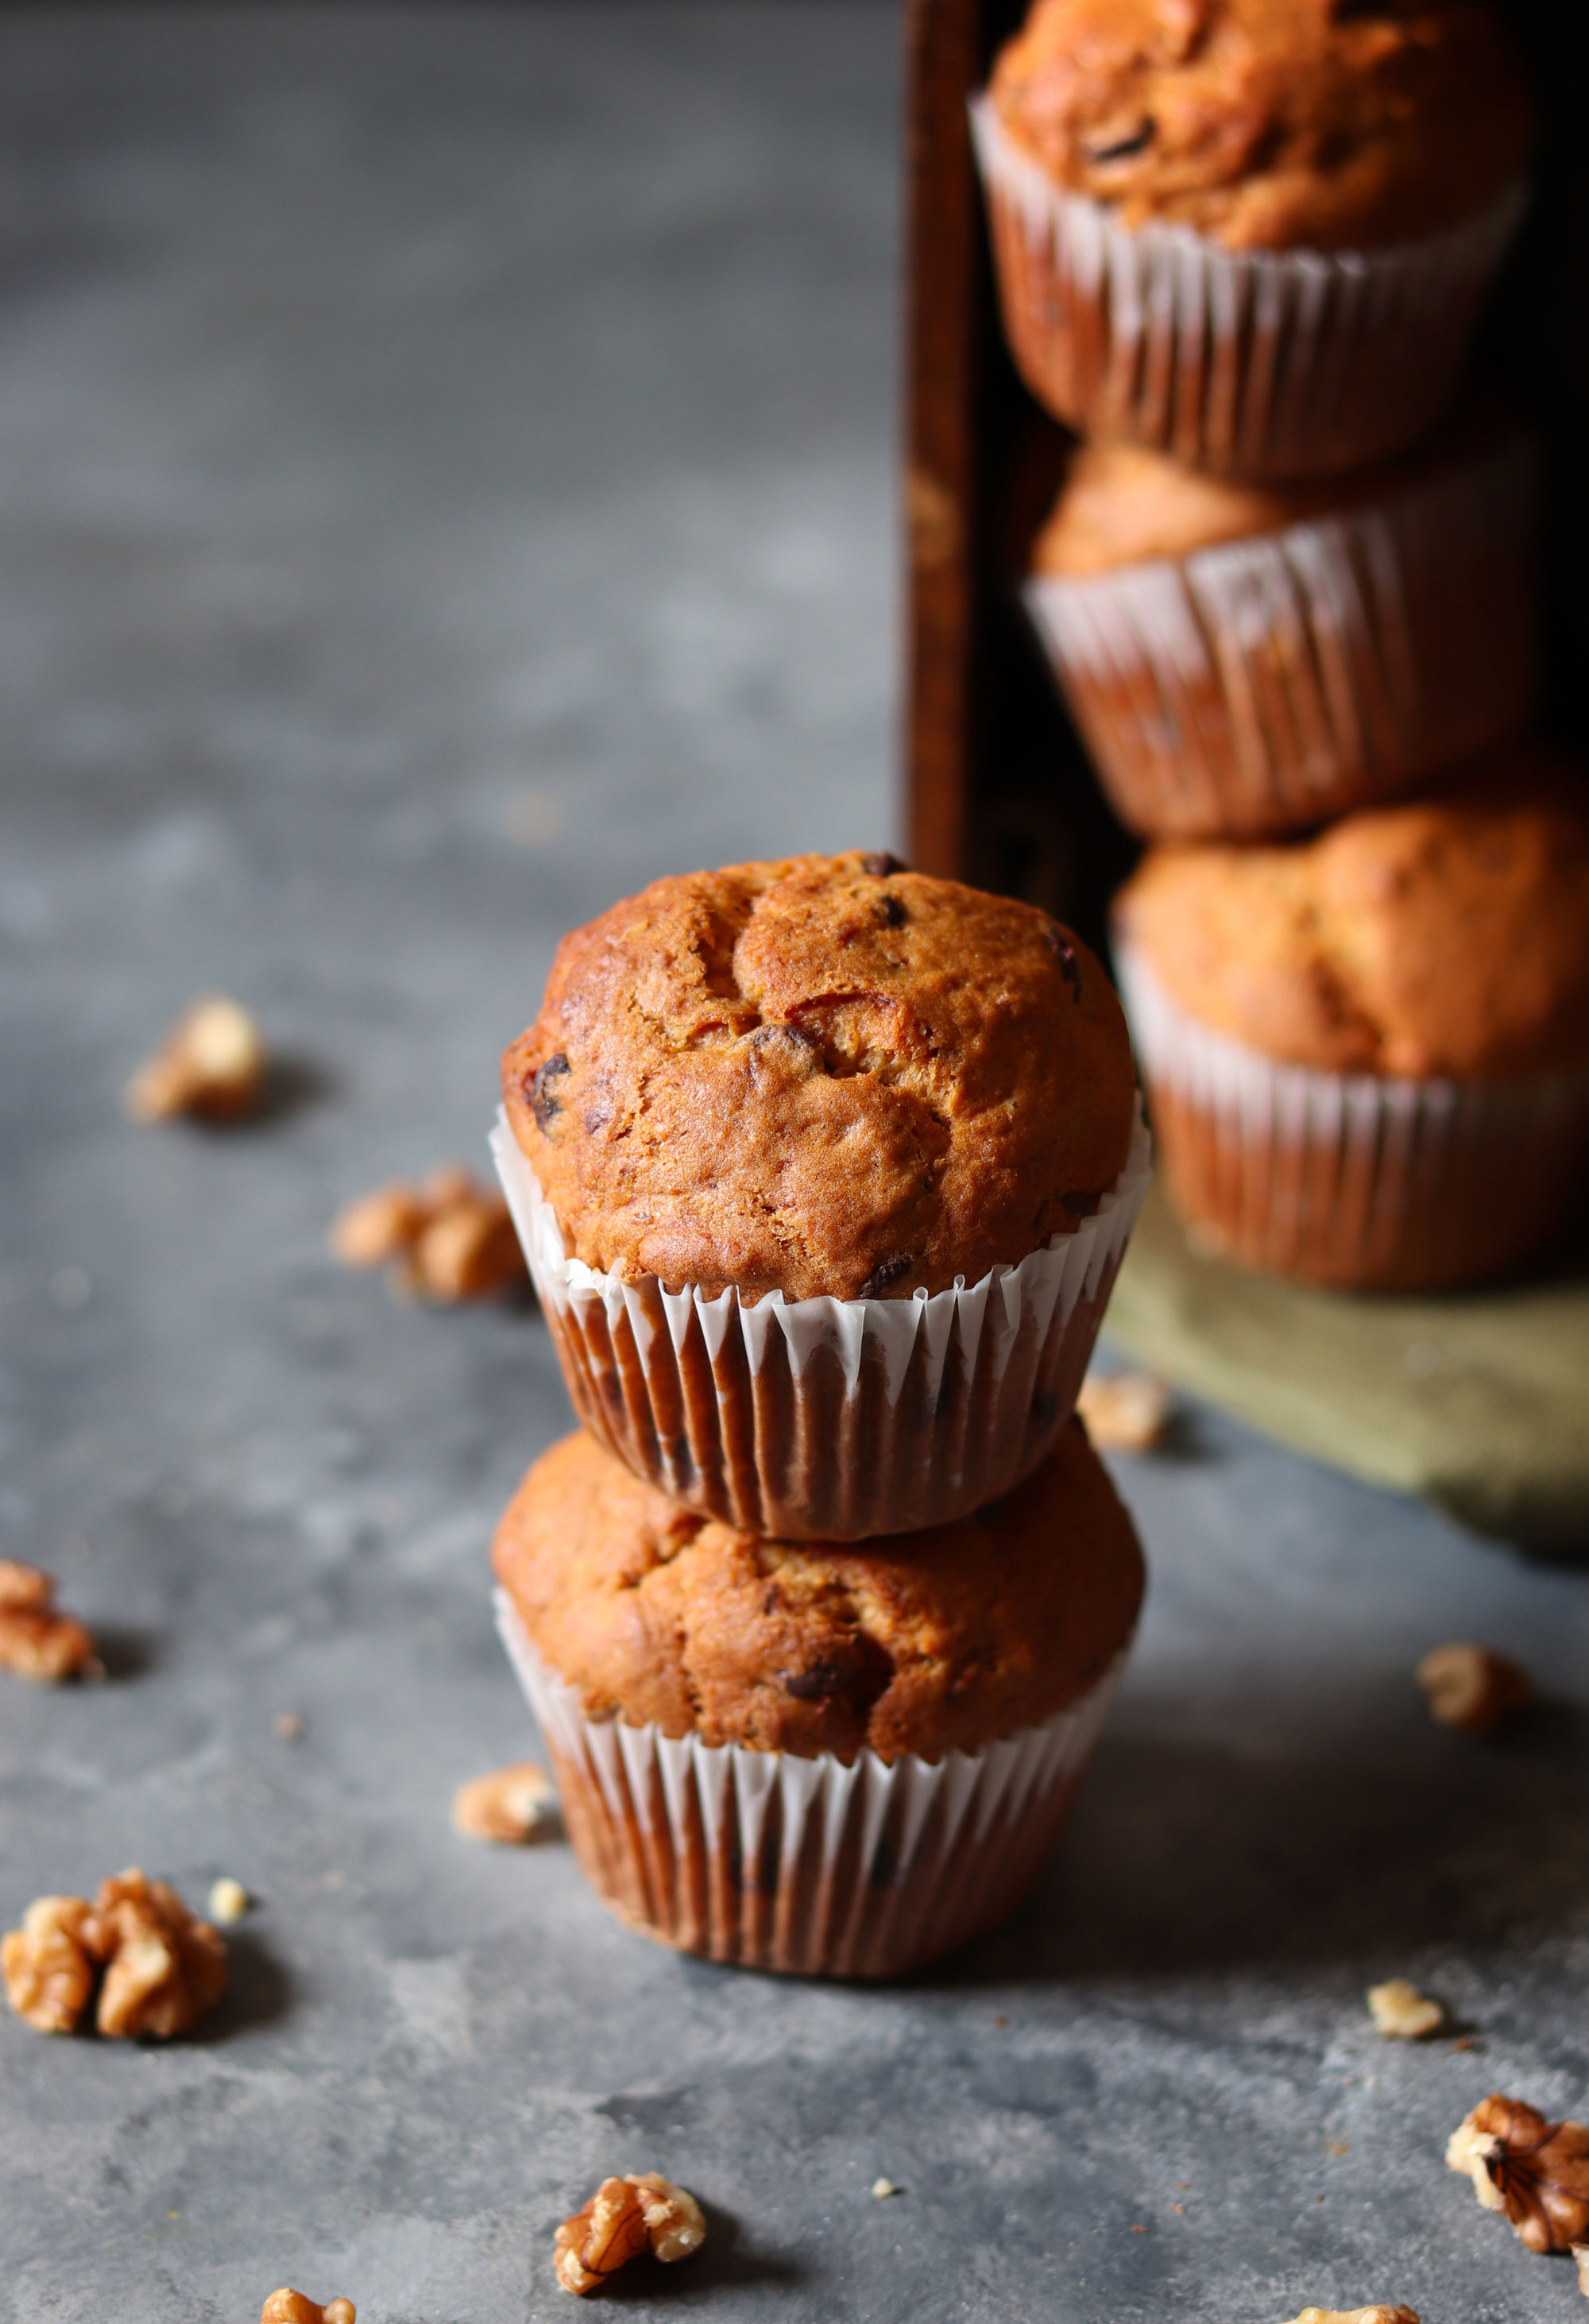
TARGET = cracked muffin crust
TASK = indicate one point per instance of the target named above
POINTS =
(822, 1075)
(920, 1642)
(1328, 125)
(1442, 936)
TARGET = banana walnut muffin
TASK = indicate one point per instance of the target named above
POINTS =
(829, 1074)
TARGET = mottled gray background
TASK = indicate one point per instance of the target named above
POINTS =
(446, 477)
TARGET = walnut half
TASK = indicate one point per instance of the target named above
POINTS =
(1401, 2013)
(286, 2306)
(36, 1640)
(162, 1967)
(1125, 1412)
(1536, 2172)
(624, 2217)
(450, 1238)
(48, 1969)
(505, 1807)
(1472, 1687)
(211, 1064)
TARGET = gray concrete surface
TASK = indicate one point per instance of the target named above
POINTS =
(445, 478)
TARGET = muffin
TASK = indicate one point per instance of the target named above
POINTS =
(1247, 658)
(824, 1170)
(1367, 1054)
(802, 1757)
(1252, 233)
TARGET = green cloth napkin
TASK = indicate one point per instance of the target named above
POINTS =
(1478, 1400)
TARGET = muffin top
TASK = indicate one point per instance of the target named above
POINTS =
(823, 1075)
(922, 1642)
(1120, 505)
(1277, 124)
(1444, 936)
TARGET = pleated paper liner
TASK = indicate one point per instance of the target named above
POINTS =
(830, 1419)
(1266, 684)
(806, 1867)
(1250, 362)
(1364, 1181)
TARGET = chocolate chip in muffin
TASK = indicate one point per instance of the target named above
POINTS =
(881, 864)
(886, 1271)
(543, 1104)
(892, 912)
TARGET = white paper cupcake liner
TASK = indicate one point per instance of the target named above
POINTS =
(1364, 1181)
(830, 1419)
(805, 1866)
(1269, 683)
(1256, 362)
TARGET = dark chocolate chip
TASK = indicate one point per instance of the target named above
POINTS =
(820, 1684)
(881, 864)
(1122, 148)
(893, 913)
(544, 1105)
(1064, 952)
(887, 1272)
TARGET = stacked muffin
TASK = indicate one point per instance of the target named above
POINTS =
(1240, 245)
(824, 1170)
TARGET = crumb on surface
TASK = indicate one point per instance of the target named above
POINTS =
(228, 1900)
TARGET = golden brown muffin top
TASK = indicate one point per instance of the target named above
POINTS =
(1442, 936)
(1120, 505)
(1279, 124)
(824, 1076)
(922, 1642)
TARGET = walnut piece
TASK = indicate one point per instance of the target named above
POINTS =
(212, 1063)
(1125, 1412)
(624, 2217)
(163, 1966)
(1580, 2252)
(503, 1807)
(1536, 2172)
(1401, 2013)
(450, 1238)
(286, 2306)
(48, 1967)
(1381, 2314)
(1473, 1688)
(36, 1640)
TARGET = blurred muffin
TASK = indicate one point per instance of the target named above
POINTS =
(802, 1757)
(1248, 659)
(824, 1169)
(1367, 1056)
(1251, 233)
